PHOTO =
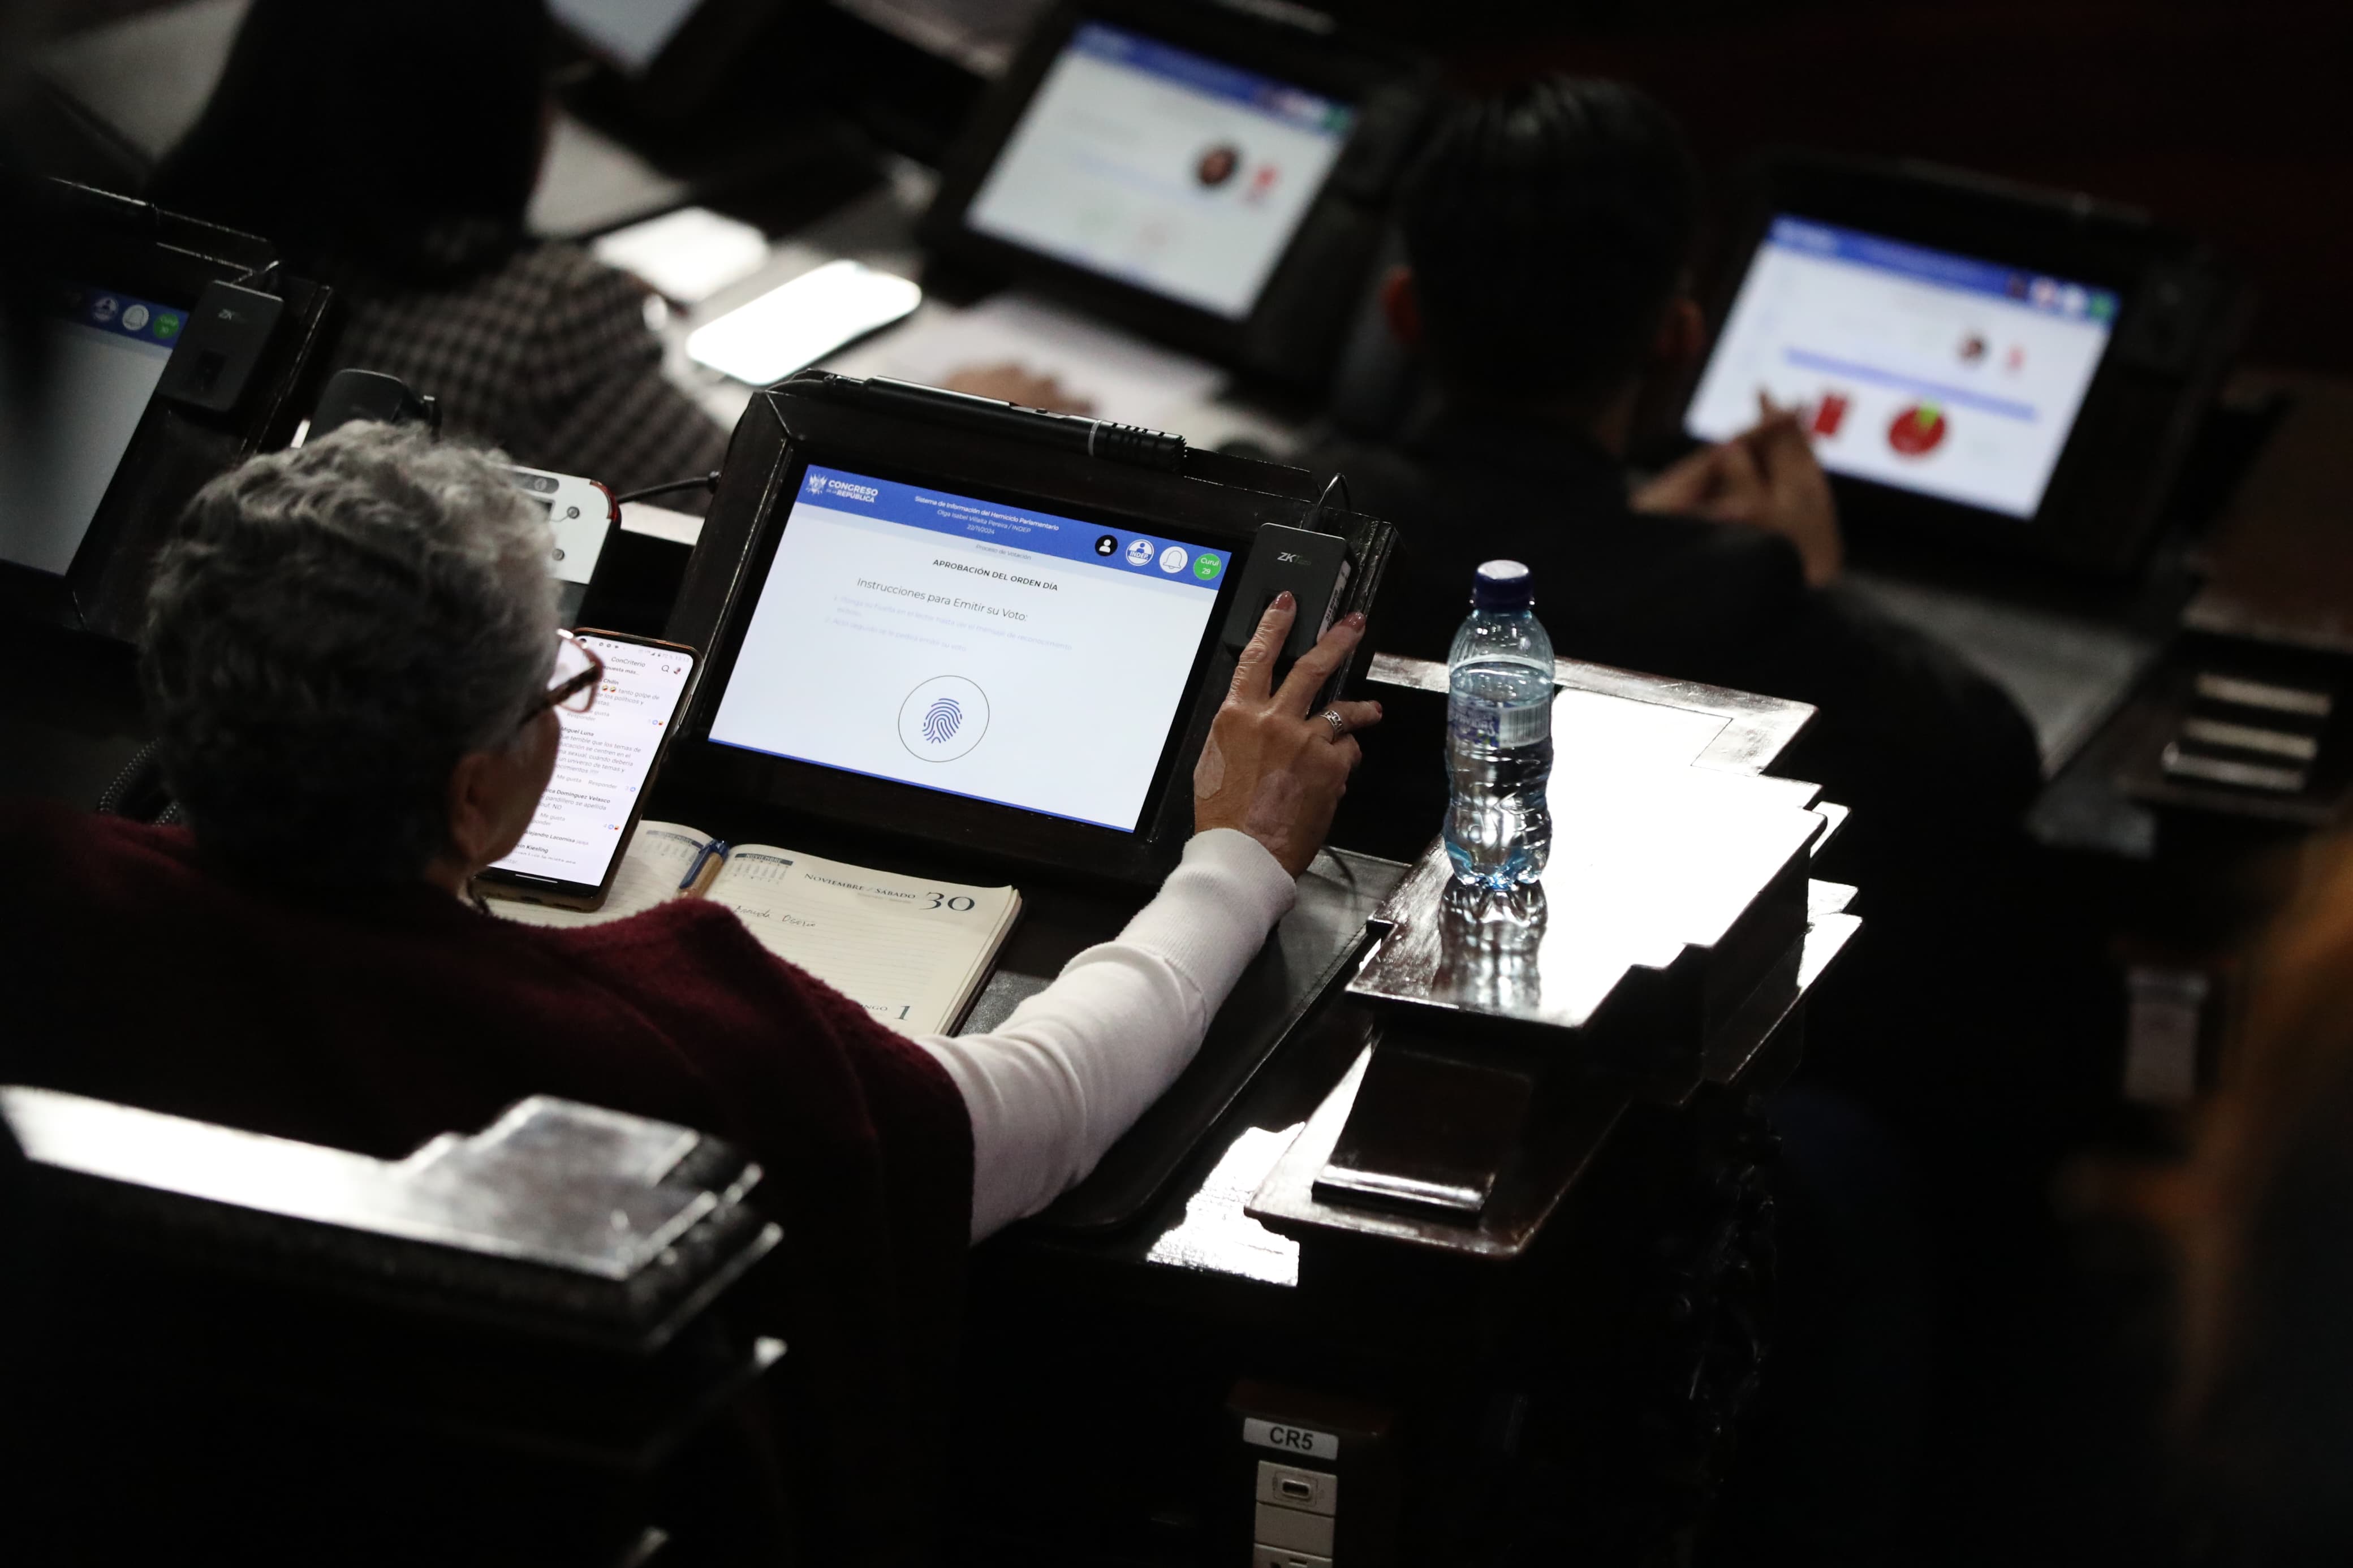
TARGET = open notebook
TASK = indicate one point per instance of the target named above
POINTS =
(914, 953)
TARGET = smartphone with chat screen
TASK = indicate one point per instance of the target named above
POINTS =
(604, 767)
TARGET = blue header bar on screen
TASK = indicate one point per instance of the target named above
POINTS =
(2032, 290)
(1212, 79)
(1115, 549)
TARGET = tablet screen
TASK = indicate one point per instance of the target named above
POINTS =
(1944, 374)
(108, 350)
(971, 647)
(1162, 168)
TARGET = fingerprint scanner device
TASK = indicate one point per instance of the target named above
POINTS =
(1216, 176)
(953, 624)
(223, 342)
(1994, 370)
(1315, 568)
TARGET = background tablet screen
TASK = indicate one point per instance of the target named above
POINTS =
(1940, 373)
(971, 647)
(1162, 168)
(108, 350)
(633, 32)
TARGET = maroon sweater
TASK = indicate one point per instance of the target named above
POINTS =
(133, 971)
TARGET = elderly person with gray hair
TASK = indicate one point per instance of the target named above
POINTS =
(352, 657)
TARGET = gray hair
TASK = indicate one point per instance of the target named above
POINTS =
(329, 631)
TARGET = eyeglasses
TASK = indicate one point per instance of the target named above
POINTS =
(573, 686)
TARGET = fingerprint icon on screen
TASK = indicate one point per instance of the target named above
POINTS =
(943, 718)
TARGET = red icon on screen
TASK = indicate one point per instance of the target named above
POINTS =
(1828, 414)
(1918, 431)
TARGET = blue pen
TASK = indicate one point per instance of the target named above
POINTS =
(715, 850)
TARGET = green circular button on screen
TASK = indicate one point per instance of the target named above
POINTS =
(1206, 567)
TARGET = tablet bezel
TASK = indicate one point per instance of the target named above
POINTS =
(2104, 496)
(786, 429)
(174, 450)
(1295, 326)
(769, 542)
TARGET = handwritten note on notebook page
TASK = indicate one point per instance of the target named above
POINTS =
(911, 952)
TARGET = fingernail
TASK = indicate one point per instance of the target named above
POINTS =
(1284, 600)
(1355, 620)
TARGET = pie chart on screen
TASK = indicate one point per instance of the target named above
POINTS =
(1918, 431)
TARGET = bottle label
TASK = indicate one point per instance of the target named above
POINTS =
(1498, 726)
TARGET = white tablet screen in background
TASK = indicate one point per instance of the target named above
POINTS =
(971, 647)
(1944, 374)
(1162, 168)
(107, 352)
(631, 33)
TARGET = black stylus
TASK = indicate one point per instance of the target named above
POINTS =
(1096, 438)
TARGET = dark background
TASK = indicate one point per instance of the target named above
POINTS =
(2223, 118)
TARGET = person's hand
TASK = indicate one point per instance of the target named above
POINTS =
(1767, 477)
(1020, 385)
(1269, 767)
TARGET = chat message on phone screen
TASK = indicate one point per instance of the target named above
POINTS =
(601, 768)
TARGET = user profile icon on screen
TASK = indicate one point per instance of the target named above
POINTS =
(943, 718)
(1217, 165)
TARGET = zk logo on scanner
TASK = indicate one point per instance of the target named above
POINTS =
(943, 718)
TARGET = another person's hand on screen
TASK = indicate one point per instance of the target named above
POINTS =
(1269, 767)
(1767, 477)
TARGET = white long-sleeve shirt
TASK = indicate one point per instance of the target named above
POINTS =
(1077, 1063)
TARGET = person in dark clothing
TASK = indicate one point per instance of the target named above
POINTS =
(1549, 234)
(390, 148)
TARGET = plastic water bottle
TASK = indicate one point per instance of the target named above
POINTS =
(1499, 734)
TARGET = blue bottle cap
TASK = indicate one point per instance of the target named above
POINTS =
(1503, 585)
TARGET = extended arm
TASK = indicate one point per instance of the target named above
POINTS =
(1076, 1064)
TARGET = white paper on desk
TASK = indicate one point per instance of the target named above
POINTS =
(690, 255)
(800, 323)
(1129, 380)
(1215, 1235)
